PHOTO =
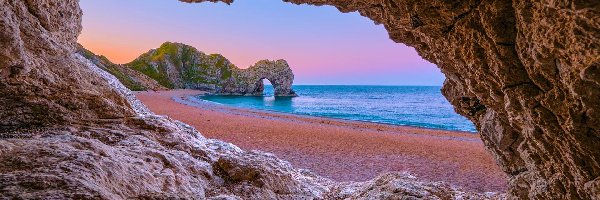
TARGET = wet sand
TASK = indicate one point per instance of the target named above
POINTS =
(340, 149)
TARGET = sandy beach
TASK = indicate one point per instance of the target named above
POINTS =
(340, 149)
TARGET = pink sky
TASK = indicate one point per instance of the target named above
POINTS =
(322, 45)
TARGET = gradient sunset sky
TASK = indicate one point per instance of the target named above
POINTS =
(322, 45)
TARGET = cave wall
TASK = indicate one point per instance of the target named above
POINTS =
(41, 82)
(526, 72)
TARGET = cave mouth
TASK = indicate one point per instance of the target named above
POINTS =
(259, 87)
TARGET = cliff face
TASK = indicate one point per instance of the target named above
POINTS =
(42, 84)
(179, 66)
(526, 72)
(250, 81)
(132, 79)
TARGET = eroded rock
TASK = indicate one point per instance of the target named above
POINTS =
(41, 83)
(250, 81)
(180, 66)
(132, 79)
(105, 144)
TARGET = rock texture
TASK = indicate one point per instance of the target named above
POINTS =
(526, 72)
(402, 186)
(250, 81)
(42, 84)
(72, 130)
(180, 66)
(132, 79)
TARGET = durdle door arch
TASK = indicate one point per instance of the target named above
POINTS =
(526, 72)
(250, 81)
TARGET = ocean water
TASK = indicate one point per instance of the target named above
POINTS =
(420, 106)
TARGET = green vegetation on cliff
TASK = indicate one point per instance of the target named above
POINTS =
(153, 72)
(176, 65)
(179, 66)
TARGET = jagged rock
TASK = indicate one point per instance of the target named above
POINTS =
(132, 79)
(526, 72)
(402, 186)
(180, 66)
(41, 83)
(143, 157)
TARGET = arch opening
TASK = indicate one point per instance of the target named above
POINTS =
(265, 87)
(257, 76)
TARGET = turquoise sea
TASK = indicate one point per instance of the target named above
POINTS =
(420, 106)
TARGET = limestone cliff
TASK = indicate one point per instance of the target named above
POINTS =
(526, 72)
(41, 82)
(132, 79)
(180, 66)
(250, 81)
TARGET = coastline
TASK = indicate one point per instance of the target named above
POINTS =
(191, 100)
(342, 150)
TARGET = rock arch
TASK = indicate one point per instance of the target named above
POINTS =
(278, 73)
(180, 66)
(250, 81)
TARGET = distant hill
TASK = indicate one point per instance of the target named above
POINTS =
(132, 79)
(180, 66)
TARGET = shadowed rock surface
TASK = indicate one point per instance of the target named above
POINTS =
(41, 83)
(526, 72)
(179, 66)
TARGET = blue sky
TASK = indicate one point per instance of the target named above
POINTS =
(322, 45)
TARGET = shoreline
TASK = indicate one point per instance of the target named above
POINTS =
(340, 149)
(191, 98)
